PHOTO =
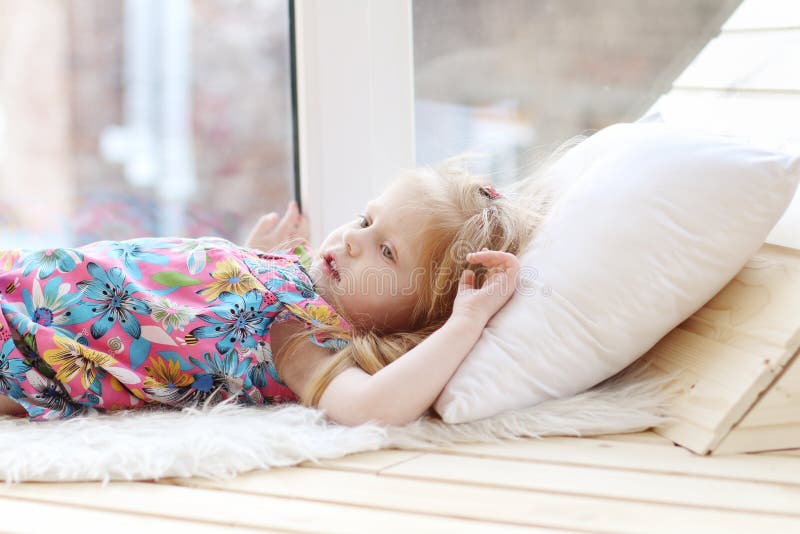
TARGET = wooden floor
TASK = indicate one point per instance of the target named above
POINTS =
(624, 483)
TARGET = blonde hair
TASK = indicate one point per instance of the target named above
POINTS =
(464, 217)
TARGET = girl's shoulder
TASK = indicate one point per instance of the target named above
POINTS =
(297, 368)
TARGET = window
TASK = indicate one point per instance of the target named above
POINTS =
(514, 79)
(142, 117)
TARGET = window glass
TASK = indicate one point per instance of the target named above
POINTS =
(121, 119)
(513, 79)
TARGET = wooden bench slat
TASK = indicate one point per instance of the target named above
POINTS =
(548, 507)
(229, 508)
(367, 462)
(730, 351)
(23, 515)
(647, 437)
(606, 483)
(634, 456)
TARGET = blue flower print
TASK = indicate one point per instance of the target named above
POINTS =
(222, 373)
(265, 366)
(297, 290)
(49, 260)
(50, 395)
(196, 251)
(46, 307)
(238, 320)
(110, 298)
(284, 268)
(255, 266)
(133, 251)
(304, 285)
(12, 371)
(221, 376)
(289, 287)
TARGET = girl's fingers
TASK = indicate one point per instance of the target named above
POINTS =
(269, 219)
(302, 222)
(467, 280)
(264, 225)
(491, 258)
(303, 226)
(289, 220)
(499, 265)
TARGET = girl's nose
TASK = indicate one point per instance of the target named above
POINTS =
(351, 243)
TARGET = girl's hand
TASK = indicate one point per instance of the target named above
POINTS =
(268, 232)
(480, 304)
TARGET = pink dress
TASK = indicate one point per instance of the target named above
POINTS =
(115, 325)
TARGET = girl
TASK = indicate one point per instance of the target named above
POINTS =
(115, 325)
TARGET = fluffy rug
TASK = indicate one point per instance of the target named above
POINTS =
(224, 440)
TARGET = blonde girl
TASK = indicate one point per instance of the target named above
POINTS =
(371, 329)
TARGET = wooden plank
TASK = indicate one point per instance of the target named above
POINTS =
(718, 382)
(764, 61)
(764, 438)
(607, 483)
(21, 515)
(234, 509)
(547, 508)
(692, 436)
(367, 462)
(730, 350)
(642, 457)
(778, 454)
(647, 437)
(774, 420)
(764, 14)
(780, 404)
(761, 303)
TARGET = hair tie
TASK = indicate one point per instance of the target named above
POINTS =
(490, 192)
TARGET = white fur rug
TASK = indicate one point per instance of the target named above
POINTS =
(225, 440)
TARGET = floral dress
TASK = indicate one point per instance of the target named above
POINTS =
(115, 325)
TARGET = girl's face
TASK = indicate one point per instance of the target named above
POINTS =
(369, 269)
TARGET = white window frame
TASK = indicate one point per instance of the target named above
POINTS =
(355, 98)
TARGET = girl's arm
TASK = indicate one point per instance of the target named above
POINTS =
(10, 407)
(403, 390)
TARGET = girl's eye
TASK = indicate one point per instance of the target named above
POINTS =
(363, 222)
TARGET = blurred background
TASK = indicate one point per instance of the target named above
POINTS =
(126, 118)
(142, 117)
(513, 79)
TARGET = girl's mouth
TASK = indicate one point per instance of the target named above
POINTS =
(330, 263)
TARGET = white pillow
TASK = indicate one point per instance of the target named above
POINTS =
(652, 223)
